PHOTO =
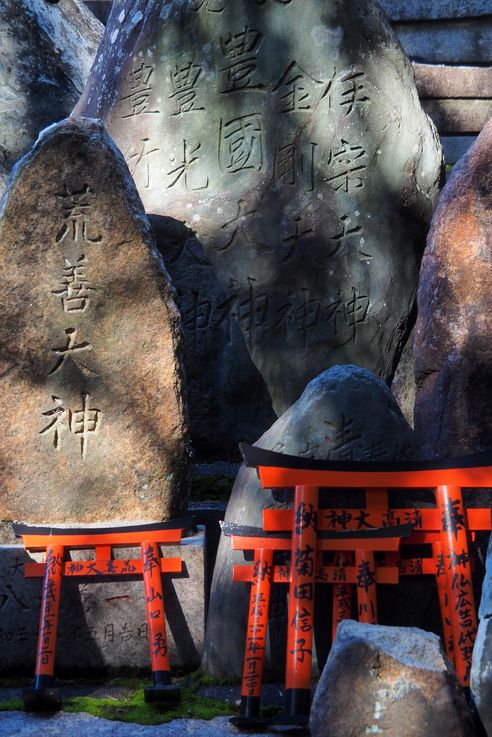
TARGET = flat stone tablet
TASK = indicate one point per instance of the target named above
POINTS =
(289, 136)
(91, 404)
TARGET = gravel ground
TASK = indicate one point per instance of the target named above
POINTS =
(61, 724)
(20, 724)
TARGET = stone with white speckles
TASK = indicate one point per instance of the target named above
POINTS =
(388, 681)
(46, 52)
(278, 139)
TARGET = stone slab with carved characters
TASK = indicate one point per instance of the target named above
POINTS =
(92, 410)
(46, 52)
(103, 623)
(289, 137)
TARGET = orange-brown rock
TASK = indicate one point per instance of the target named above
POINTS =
(453, 343)
(91, 404)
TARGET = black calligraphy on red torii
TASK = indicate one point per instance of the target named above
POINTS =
(462, 587)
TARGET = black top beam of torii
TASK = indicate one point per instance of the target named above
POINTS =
(254, 457)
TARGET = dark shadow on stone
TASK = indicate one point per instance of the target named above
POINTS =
(100, 8)
(228, 399)
(177, 622)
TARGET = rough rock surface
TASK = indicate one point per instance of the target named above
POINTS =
(305, 165)
(388, 681)
(481, 671)
(46, 52)
(22, 724)
(91, 404)
(345, 413)
(453, 341)
(403, 386)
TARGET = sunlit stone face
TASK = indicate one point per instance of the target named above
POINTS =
(288, 135)
(92, 407)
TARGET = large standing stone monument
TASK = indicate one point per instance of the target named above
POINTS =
(91, 404)
(453, 341)
(46, 51)
(289, 136)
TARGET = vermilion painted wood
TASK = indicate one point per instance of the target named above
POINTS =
(103, 567)
(424, 519)
(300, 622)
(282, 543)
(325, 574)
(114, 539)
(154, 604)
(273, 477)
(342, 600)
(411, 566)
(50, 607)
(454, 542)
(256, 632)
(435, 527)
(443, 586)
(366, 587)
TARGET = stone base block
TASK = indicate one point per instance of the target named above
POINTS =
(102, 624)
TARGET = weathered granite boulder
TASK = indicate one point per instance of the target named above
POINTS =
(388, 681)
(91, 405)
(46, 52)
(481, 671)
(290, 138)
(453, 341)
(345, 413)
(403, 386)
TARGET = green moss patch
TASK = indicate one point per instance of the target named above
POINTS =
(11, 705)
(132, 706)
(211, 488)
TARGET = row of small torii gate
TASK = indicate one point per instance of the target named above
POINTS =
(301, 547)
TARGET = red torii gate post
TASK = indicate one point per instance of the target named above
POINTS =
(302, 571)
(42, 696)
(447, 477)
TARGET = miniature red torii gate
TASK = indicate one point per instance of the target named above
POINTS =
(302, 574)
(445, 527)
(57, 542)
